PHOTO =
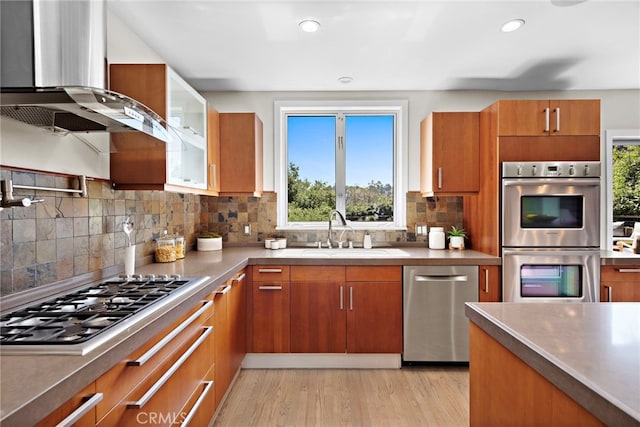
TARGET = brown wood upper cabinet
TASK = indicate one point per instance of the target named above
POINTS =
(549, 117)
(449, 156)
(141, 162)
(240, 153)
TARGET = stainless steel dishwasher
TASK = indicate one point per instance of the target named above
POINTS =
(435, 327)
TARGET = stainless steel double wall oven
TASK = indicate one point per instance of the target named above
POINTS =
(551, 231)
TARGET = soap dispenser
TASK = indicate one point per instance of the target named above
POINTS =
(367, 241)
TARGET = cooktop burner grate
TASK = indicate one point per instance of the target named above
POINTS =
(81, 315)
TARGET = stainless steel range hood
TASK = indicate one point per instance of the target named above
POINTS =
(54, 70)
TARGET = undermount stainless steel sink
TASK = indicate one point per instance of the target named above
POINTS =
(341, 253)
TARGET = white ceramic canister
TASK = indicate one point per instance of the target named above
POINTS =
(436, 238)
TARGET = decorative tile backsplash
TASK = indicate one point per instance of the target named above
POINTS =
(67, 236)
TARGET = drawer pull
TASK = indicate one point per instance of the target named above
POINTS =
(156, 348)
(629, 270)
(172, 370)
(270, 288)
(269, 270)
(240, 278)
(341, 298)
(196, 405)
(486, 280)
(82, 410)
(223, 289)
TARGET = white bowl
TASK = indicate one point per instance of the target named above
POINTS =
(209, 244)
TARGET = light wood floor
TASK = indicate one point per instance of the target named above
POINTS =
(411, 396)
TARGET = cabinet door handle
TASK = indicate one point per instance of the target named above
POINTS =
(351, 298)
(557, 111)
(629, 270)
(223, 289)
(341, 298)
(240, 278)
(213, 174)
(486, 280)
(82, 410)
(269, 270)
(196, 405)
(439, 178)
(270, 288)
(609, 293)
(172, 370)
(546, 119)
(156, 348)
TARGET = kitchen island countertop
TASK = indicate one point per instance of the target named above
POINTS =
(589, 351)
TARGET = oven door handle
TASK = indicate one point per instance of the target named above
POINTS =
(534, 182)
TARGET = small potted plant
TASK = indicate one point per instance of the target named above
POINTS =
(209, 241)
(456, 237)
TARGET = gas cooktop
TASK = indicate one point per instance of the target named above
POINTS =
(80, 321)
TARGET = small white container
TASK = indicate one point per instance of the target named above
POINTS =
(436, 238)
(282, 243)
(268, 243)
(129, 260)
(367, 241)
(209, 244)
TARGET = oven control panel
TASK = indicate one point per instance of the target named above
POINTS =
(551, 169)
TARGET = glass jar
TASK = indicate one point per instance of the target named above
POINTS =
(165, 248)
(436, 238)
(180, 249)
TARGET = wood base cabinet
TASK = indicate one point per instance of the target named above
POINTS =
(505, 391)
(336, 309)
(489, 283)
(157, 382)
(80, 410)
(271, 311)
(620, 283)
(230, 326)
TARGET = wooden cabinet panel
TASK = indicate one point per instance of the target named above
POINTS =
(271, 317)
(449, 153)
(238, 321)
(543, 148)
(72, 405)
(122, 378)
(222, 354)
(505, 391)
(387, 273)
(549, 117)
(374, 317)
(187, 368)
(620, 283)
(489, 284)
(318, 318)
(241, 153)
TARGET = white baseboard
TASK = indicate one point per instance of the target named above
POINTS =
(321, 360)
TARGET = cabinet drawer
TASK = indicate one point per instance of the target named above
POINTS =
(122, 378)
(201, 406)
(76, 405)
(374, 273)
(160, 398)
(619, 273)
(270, 273)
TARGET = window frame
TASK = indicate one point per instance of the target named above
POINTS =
(399, 108)
(613, 137)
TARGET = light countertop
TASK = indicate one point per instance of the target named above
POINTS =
(589, 351)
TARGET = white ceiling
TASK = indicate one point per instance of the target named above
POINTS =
(393, 45)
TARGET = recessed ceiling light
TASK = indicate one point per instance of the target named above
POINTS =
(309, 26)
(345, 79)
(512, 25)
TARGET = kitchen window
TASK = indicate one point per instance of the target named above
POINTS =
(622, 162)
(341, 155)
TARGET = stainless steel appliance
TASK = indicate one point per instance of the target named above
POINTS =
(435, 327)
(551, 274)
(550, 231)
(80, 321)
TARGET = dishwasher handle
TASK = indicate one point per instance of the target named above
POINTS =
(444, 278)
